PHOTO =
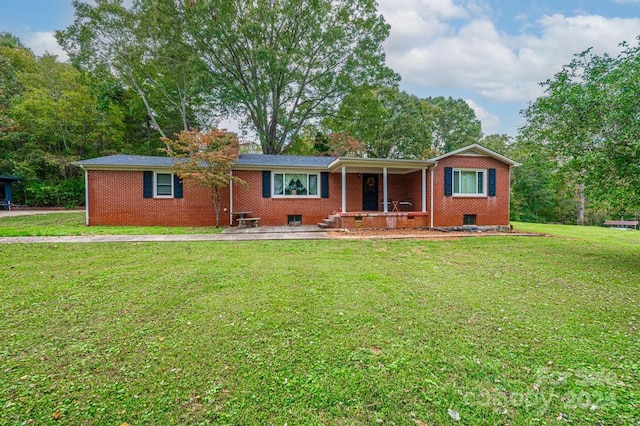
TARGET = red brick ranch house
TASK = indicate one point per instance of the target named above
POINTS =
(467, 187)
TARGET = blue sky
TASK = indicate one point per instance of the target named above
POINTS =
(492, 53)
(21, 17)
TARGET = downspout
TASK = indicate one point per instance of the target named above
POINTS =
(509, 198)
(231, 198)
(432, 210)
(86, 195)
(344, 189)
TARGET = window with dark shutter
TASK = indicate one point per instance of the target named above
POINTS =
(266, 184)
(492, 182)
(324, 184)
(147, 184)
(448, 181)
(177, 186)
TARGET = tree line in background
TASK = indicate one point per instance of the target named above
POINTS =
(306, 78)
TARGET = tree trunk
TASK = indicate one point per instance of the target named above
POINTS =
(581, 204)
(216, 205)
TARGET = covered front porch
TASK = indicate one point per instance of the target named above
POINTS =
(381, 193)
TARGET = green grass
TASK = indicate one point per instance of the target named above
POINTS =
(503, 330)
(585, 234)
(61, 224)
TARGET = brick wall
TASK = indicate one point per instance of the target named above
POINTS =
(414, 190)
(115, 198)
(274, 210)
(399, 187)
(354, 191)
(449, 211)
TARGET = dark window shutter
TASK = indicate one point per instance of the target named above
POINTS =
(177, 187)
(448, 181)
(147, 184)
(492, 182)
(324, 184)
(266, 184)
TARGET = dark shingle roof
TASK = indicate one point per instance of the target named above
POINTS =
(128, 160)
(243, 160)
(283, 160)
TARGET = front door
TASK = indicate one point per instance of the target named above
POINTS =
(369, 192)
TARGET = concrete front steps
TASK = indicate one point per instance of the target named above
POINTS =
(331, 222)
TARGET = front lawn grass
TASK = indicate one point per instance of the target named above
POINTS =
(61, 224)
(589, 235)
(500, 330)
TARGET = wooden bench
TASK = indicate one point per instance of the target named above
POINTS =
(252, 221)
(630, 224)
(5, 205)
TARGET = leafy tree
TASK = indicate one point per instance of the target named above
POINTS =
(454, 123)
(276, 64)
(62, 117)
(390, 123)
(205, 159)
(534, 195)
(589, 120)
(145, 49)
(285, 63)
(500, 143)
(14, 59)
(338, 145)
(395, 124)
(50, 115)
(303, 143)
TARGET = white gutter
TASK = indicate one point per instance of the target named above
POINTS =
(231, 198)
(509, 198)
(86, 195)
(432, 211)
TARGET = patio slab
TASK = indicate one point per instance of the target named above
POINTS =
(274, 229)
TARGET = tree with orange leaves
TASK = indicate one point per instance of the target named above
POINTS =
(205, 158)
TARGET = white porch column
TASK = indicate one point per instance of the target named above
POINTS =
(424, 190)
(384, 190)
(344, 189)
(431, 194)
(231, 198)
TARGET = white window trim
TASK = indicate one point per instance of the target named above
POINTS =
(476, 194)
(155, 185)
(297, 172)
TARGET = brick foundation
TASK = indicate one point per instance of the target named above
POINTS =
(368, 220)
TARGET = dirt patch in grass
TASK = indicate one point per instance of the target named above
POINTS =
(417, 233)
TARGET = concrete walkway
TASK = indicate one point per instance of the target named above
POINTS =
(29, 212)
(250, 236)
(274, 229)
(305, 232)
(168, 238)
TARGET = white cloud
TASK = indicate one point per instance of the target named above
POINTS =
(42, 42)
(442, 44)
(490, 122)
